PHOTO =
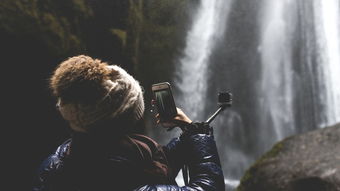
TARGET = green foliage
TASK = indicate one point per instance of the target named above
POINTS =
(145, 32)
(166, 12)
(52, 23)
(121, 34)
(144, 36)
(80, 7)
(161, 38)
(17, 17)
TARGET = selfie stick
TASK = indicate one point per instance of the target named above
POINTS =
(221, 108)
(224, 100)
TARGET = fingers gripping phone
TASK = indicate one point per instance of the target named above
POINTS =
(165, 102)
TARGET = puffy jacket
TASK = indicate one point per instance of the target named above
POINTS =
(198, 151)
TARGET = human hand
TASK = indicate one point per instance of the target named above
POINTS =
(179, 120)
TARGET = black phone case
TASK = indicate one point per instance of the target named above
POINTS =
(165, 102)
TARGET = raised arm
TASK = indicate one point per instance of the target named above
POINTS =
(197, 149)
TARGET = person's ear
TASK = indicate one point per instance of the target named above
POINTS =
(57, 105)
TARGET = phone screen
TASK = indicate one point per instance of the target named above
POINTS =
(165, 104)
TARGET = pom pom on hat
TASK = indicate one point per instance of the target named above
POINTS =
(90, 90)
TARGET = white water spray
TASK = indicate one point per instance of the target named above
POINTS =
(279, 81)
(276, 92)
(327, 23)
(208, 26)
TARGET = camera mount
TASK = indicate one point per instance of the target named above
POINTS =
(224, 101)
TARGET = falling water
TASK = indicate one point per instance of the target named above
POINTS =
(192, 73)
(328, 35)
(276, 89)
(281, 61)
(279, 78)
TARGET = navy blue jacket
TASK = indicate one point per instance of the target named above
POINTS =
(119, 173)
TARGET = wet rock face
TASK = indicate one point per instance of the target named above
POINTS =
(306, 162)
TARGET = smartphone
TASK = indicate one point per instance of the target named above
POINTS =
(165, 102)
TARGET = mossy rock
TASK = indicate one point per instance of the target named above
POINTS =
(305, 162)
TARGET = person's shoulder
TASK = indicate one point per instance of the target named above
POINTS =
(64, 149)
(50, 166)
(55, 160)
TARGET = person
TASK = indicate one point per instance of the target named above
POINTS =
(104, 107)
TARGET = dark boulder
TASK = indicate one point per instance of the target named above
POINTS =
(305, 162)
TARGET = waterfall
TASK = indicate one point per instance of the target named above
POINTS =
(281, 61)
(192, 73)
(276, 92)
(327, 23)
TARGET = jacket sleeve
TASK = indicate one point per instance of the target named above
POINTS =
(200, 154)
(174, 154)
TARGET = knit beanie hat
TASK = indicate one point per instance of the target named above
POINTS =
(89, 91)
